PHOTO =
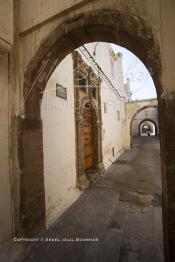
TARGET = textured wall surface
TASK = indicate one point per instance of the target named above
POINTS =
(6, 25)
(5, 190)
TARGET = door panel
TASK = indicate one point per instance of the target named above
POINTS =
(88, 139)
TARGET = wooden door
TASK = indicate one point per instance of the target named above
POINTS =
(88, 134)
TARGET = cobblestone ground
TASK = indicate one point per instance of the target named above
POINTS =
(120, 216)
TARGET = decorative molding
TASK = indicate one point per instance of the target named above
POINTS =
(82, 99)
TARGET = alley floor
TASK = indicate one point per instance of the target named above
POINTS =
(118, 219)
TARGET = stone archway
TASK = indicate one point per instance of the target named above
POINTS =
(141, 109)
(134, 116)
(123, 29)
(150, 120)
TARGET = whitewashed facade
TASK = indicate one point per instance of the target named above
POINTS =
(59, 124)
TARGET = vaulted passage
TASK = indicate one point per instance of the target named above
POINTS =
(147, 127)
(42, 173)
(86, 108)
(145, 122)
(119, 218)
(131, 33)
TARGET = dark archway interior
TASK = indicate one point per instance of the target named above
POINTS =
(140, 122)
(148, 127)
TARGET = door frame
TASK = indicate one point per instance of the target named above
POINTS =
(81, 99)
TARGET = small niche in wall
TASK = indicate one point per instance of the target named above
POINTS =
(93, 91)
(118, 115)
(105, 107)
(103, 133)
(113, 152)
(82, 83)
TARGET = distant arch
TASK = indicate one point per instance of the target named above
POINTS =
(134, 116)
(150, 120)
(139, 110)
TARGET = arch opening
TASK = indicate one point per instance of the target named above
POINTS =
(145, 113)
(131, 33)
(148, 128)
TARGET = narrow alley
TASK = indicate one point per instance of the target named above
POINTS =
(119, 218)
(87, 163)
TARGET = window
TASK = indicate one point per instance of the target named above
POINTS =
(113, 152)
(82, 83)
(118, 115)
(93, 91)
(112, 69)
(105, 107)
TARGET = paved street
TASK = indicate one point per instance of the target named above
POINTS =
(122, 211)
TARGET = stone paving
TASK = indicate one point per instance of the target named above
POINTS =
(120, 216)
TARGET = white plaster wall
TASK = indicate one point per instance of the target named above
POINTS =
(59, 129)
(149, 113)
(112, 132)
(112, 128)
(59, 143)
(5, 194)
